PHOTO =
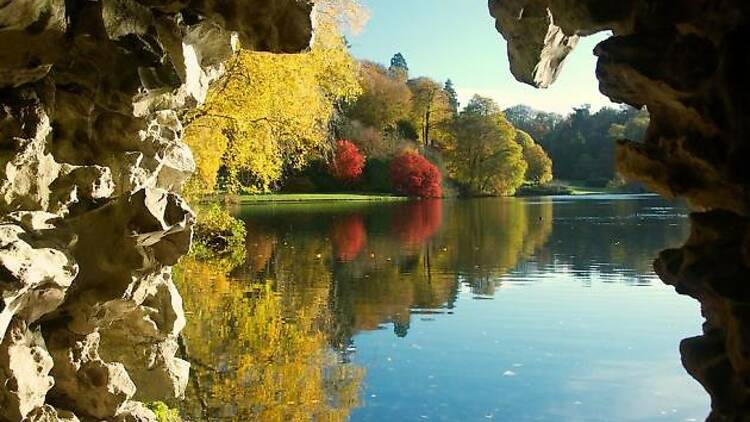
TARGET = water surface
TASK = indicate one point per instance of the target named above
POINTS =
(506, 309)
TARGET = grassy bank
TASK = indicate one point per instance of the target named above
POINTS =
(571, 188)
(314, 197)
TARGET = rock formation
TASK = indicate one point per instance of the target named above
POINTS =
(92, 93)
(685, 61)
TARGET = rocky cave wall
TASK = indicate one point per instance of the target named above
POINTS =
(91, 99)
(686, 61)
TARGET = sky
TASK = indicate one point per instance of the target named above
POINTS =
(457, 39)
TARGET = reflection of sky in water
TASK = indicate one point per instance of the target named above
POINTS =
(546, 351)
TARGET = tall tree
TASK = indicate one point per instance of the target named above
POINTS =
(430, 107)
(450, 92)
(483, 154)
(399, 68)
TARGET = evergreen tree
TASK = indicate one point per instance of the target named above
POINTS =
(399, 68)
(450, 92)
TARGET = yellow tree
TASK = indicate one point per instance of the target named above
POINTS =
(431, 108)
(385, 100)
(539, 165)
(272, 112)
(483, 155)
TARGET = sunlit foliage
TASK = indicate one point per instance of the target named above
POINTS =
(539, 165)
(413, 175)
(431, 109)
(348, 163)
(633, 129)
(384, 100)
(483, 155)
(163, 412)
(271, 112)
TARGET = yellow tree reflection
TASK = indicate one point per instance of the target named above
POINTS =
(256, 356)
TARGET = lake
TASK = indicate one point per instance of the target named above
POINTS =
(459, 310)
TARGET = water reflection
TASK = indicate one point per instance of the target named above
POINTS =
(336, 307)
(349, 236)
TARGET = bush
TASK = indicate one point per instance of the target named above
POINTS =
(348, 163)
(163, 412)
(219, 236)
(412, 175)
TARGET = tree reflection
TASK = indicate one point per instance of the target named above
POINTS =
(314, 276)
(486, 239)
(348, 236)
(256, 355)
(416, 221)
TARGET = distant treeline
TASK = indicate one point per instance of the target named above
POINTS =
(581, 144)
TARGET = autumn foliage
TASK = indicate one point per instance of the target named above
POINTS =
(413, 175)
(348, 163)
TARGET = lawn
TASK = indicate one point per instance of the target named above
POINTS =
(315, 197)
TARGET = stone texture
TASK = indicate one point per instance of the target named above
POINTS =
(92, 95)
(686, 62)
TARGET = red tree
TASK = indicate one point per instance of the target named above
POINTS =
(412, 175)
(348, 163)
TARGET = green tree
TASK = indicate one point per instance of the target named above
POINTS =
(539, 165)
(534, 122)
(581, 145)
(483, 106)
(450, 92)
(399, 68)
(634, 128)
(483, 155)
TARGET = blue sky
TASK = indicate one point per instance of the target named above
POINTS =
(457, 39)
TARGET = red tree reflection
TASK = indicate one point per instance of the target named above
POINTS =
(349, 236)
(415, 222)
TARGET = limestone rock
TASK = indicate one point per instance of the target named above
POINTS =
(135, 412)
(84, 383)
(24, 371)
(34, 269)
(48, 413)
(686, 63)
(92, 97)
